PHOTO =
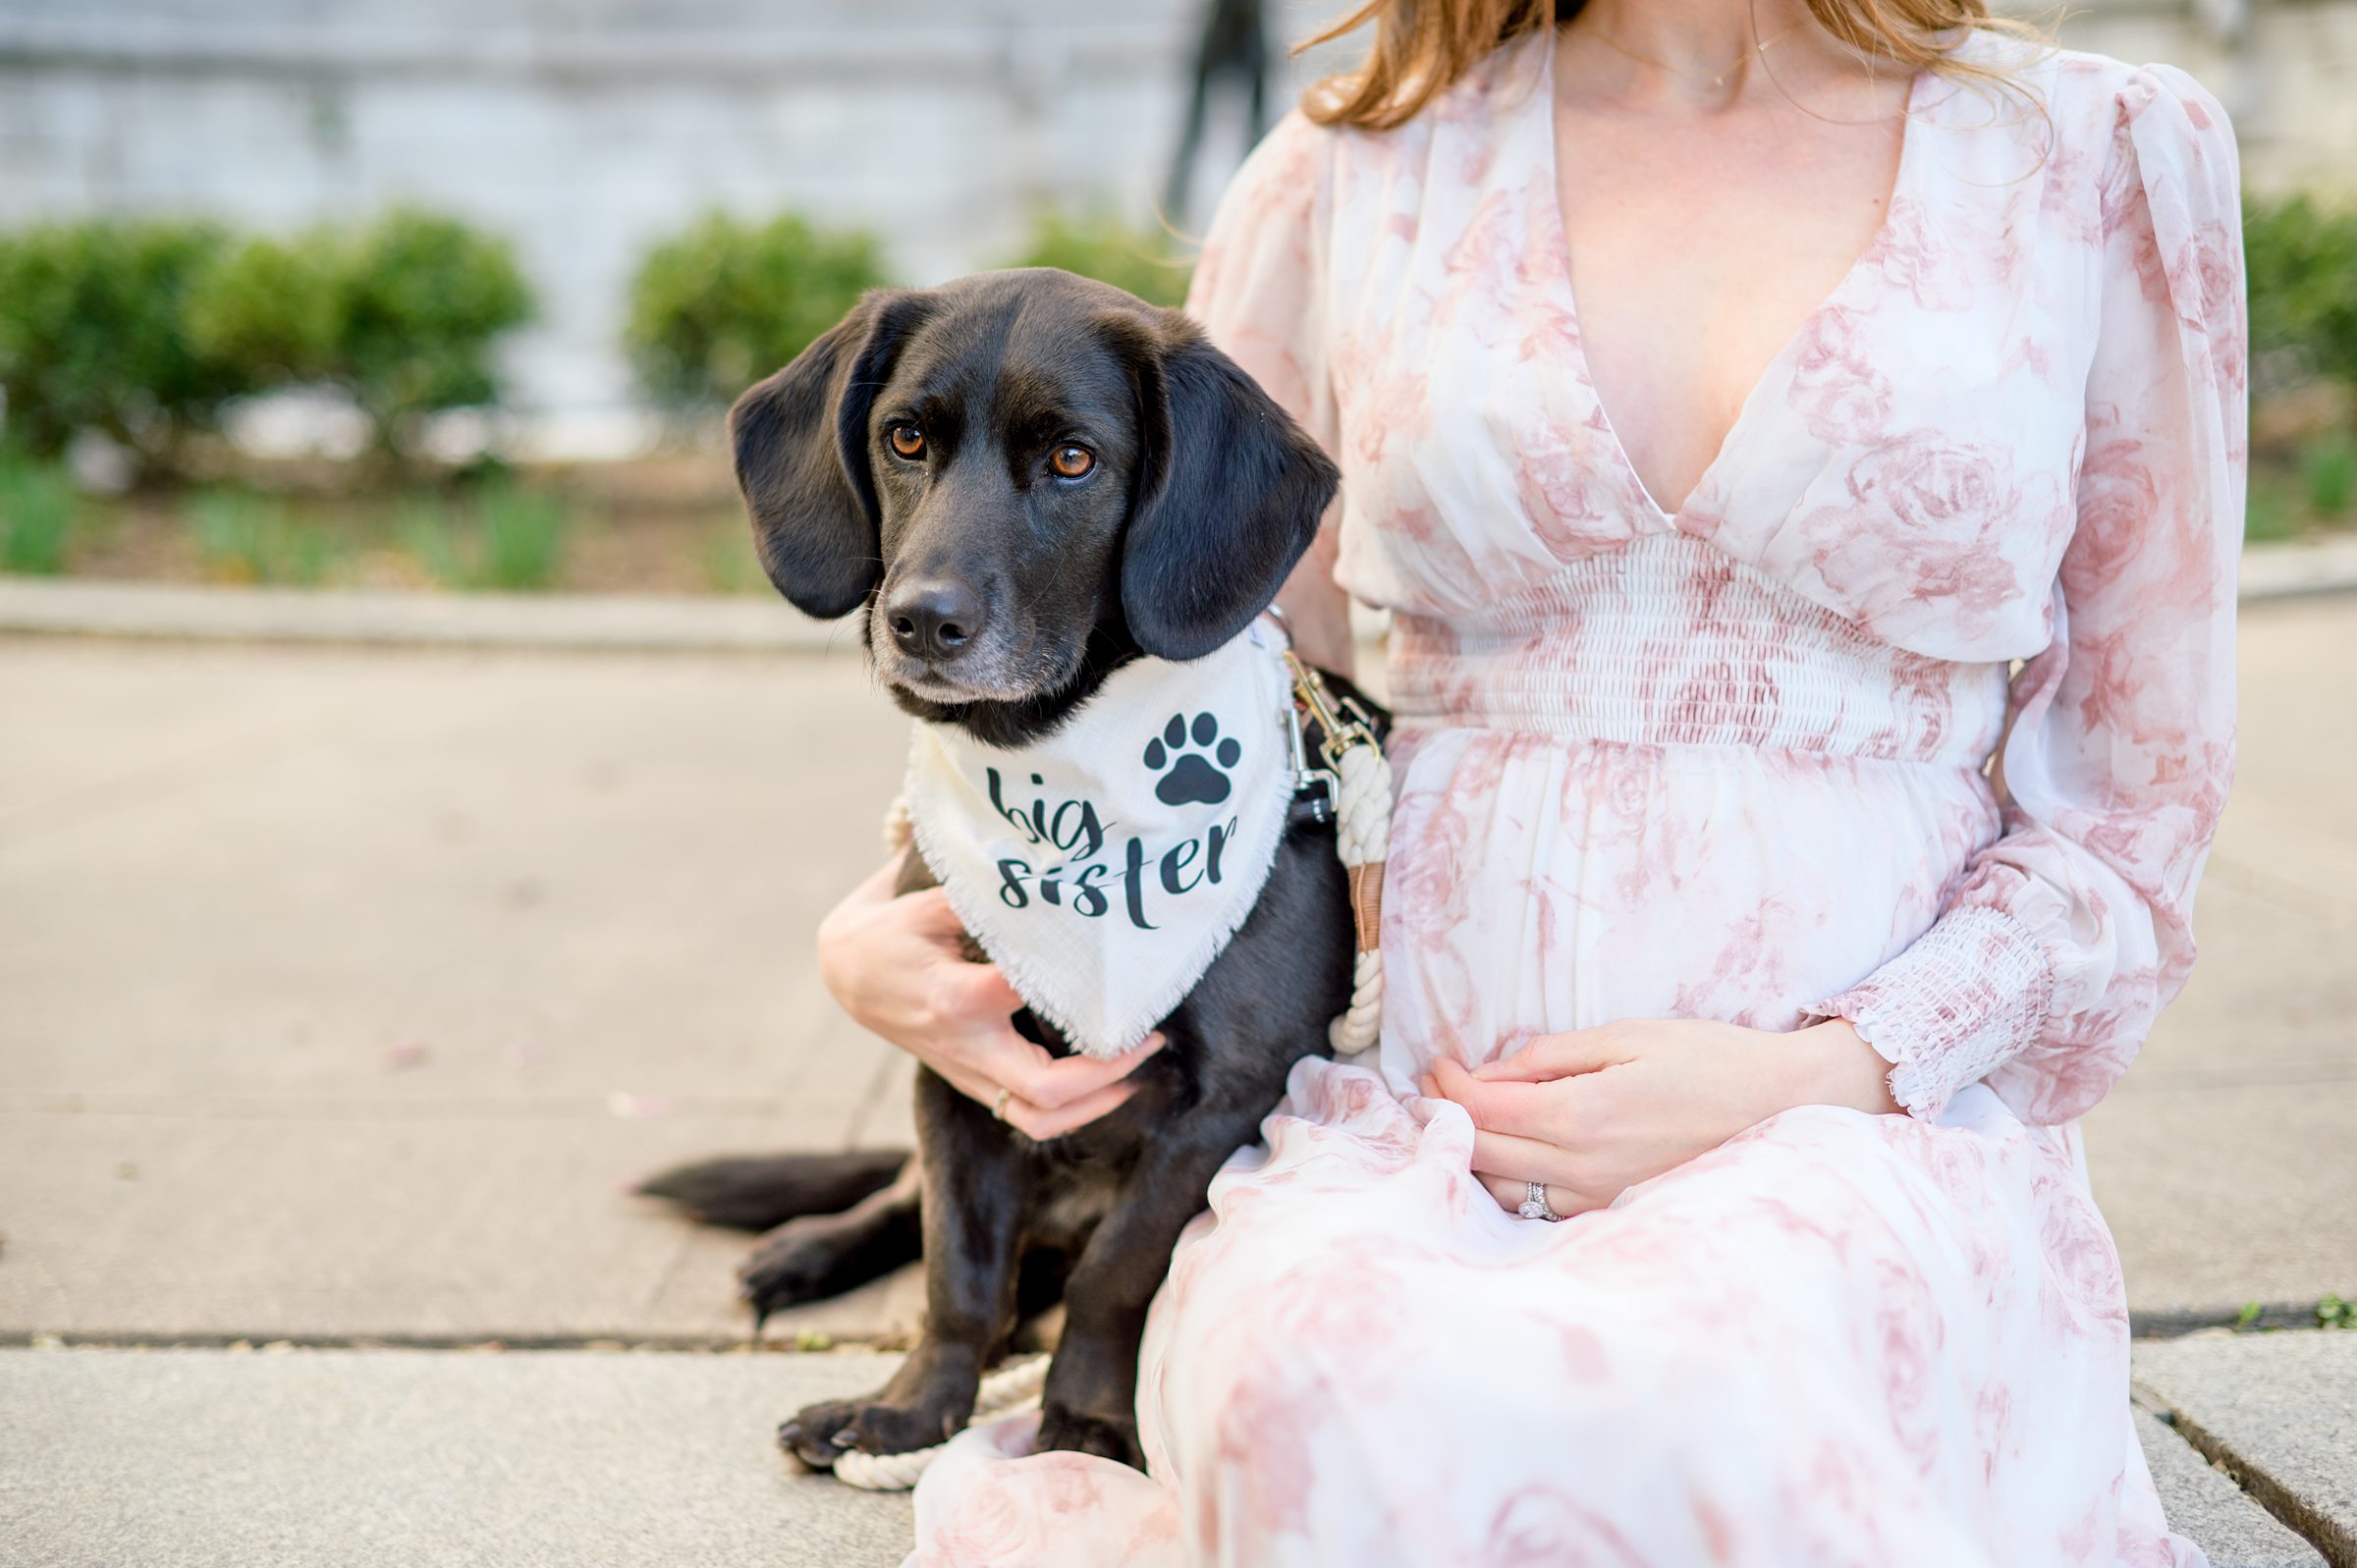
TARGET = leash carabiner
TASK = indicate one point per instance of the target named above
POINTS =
(1342, 721)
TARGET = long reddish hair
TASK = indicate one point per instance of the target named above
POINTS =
(1423, 46)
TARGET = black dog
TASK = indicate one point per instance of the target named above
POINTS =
(1029, 479)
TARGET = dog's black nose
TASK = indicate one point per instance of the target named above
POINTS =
(933, 620)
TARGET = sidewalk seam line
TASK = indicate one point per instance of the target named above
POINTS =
(2288, 1508)
(781, 1344)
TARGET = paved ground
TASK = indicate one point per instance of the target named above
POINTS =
(200, 1458)
(323, 1459)
(345, 992)
(2225, 1157)
(2281, 1410)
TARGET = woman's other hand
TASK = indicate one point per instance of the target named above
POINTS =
(897, 965)
(1594, 1112)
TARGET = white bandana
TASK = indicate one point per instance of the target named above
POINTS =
(1104, 868)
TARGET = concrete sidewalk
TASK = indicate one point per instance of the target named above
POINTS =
(412, 1459)
(2277, 1411)
(318, 1459)
(347, 991)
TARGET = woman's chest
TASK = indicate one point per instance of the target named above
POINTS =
(1904, 454)
(1697, 245)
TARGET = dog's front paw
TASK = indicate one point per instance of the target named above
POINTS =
(825, 1431)
(1076, 1432)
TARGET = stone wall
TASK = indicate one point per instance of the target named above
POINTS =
(2286, 71)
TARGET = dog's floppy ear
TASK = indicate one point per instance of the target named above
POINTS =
(800, 440)
(1228, 495)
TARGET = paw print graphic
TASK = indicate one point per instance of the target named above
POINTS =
(1193, 775)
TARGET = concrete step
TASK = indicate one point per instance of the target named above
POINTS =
(2277, 1412)
(426, 1459)
(322, 1458)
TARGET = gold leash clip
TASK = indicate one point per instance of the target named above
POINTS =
(1342, 719)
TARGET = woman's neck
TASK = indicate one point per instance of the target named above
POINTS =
(1706, 53)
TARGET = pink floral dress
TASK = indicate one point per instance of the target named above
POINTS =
(1728, 764)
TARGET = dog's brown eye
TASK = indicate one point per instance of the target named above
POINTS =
(907, 440)
(1073, 462)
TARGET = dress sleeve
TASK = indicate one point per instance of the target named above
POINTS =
(2064, 938)
(1259, 293)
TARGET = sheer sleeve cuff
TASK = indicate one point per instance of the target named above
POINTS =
(1971, 994)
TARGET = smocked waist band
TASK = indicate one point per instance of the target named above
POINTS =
(1669, 643)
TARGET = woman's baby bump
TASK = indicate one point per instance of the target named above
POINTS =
(1652, 881)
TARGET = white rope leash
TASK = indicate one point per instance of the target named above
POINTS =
(1012, 1388)
(1363, 837)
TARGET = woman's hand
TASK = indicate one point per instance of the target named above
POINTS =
(897, 966)
(1594, 1112)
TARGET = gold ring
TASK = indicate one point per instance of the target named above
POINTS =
(998, 1107)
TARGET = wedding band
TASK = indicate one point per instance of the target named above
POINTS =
(1534, 1202)
(998, 1107)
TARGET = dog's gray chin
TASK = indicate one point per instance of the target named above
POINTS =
(933, 689)
(913, 678)
(987, 673)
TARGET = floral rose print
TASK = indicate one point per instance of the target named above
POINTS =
(1917, 712)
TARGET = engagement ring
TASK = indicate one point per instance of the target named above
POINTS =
(1534, 1202)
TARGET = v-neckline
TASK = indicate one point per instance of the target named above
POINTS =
(1553, 210)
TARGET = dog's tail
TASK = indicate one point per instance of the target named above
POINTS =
(756, 1192)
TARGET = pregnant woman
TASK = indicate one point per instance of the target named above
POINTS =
(1757, 419)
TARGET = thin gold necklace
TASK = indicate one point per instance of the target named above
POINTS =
(1717, 80)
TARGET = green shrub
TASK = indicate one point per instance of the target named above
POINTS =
(2302, 266)
(2329, 474)
(273, 305)
(1144, 261)
(92, 335)
(402, 314)
(729, 301)
(243, 537)
(2270, 509)
(523, 538)
(507, 538)
(425, 528)
(36, 517)
(145, 329)
(730, 564)
(424, 300)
